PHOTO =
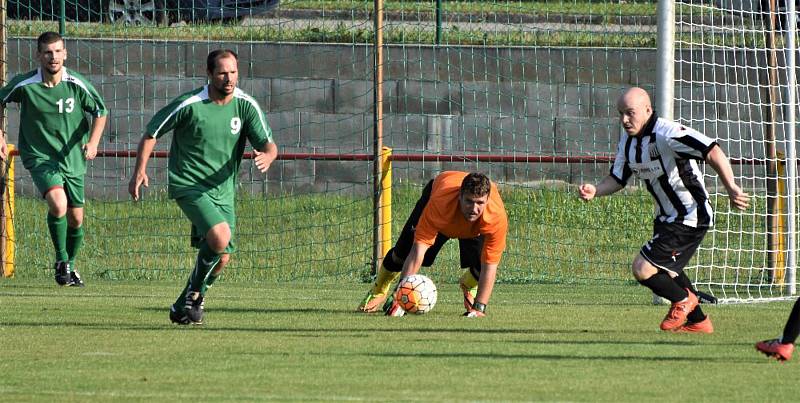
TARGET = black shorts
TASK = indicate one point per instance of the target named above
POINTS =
(672, 245)
(469, 248)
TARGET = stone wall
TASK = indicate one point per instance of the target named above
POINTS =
(318, 99)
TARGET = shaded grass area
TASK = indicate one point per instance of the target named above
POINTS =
(299, 341)
(553, 237)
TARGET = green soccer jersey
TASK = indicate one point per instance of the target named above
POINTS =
(53, 121)
(208, 141)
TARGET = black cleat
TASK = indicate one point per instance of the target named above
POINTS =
(75, 279)
(705, 298)
(180, 318)
(194, 306)
(63, 277)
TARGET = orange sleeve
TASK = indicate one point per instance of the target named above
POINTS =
(426, 230)
(494, 245)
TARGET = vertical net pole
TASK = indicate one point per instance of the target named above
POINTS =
(770, 151)
(791, 33)
(62, 17)
(665, 65)
(377, 146)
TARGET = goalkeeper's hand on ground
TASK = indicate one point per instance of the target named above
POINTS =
(394, 310)
(391, 308)
(477, 310)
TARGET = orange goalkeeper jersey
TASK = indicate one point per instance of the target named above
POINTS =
(442, 215)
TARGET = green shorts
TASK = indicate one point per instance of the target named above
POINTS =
(204, 213)
(47, 178)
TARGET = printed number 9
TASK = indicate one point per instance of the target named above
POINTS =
(236, 125)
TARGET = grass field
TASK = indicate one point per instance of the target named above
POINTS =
(553, 238)
(112, 341)
(414, 12)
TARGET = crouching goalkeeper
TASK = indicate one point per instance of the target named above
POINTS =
(453, 205)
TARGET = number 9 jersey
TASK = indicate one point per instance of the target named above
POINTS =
(208, 141)
(53, 120)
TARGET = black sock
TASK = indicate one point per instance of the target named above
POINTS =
(697, 314)
(792, 329)
(664, 286)
(684, 282)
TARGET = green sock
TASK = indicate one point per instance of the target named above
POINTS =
(74, 243)
(206, 260)
(180, 302)
(58, 234)
(208, 283)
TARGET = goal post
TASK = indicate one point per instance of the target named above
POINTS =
(7, 237)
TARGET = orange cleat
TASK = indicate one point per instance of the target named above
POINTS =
(676, 316)
(775, 349)
(704, 326)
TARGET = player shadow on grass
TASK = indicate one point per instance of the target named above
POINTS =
(261, 310)
(649, 343)
(223, 325)
(644, 357)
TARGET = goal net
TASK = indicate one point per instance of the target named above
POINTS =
(731, 81)
(524, 91)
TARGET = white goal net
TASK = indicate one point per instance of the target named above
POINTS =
(733, 75)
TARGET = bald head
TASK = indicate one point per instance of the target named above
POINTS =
(634, 110)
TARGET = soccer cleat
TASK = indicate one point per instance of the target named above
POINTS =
(194, 307)
(706, 298)
(75, 279)
(180, 318)
(372, 302)
(676, 316)
(62, 274)
(775, 349)
(704, 326)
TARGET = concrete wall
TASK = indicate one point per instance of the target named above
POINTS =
(462, 100)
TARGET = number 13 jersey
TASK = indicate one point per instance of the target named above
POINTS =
(53, 120)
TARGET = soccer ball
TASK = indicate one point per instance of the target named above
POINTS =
(416, 294)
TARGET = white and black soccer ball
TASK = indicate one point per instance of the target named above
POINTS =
(416, 294)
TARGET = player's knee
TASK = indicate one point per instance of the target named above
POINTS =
(642, 269)
(219, 237)
(218, 245)
(74, 218)
(56, 203)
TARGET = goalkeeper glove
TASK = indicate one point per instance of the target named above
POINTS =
(478, 310)
(394, 309)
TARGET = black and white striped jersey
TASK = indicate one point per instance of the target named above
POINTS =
(664, 156)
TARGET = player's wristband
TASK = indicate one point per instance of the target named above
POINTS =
(479, 307)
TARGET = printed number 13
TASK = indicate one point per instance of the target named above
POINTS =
(66, 105)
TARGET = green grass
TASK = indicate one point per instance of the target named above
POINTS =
(493, 12)
(112, 341)
(553, 238)
(608, 9)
